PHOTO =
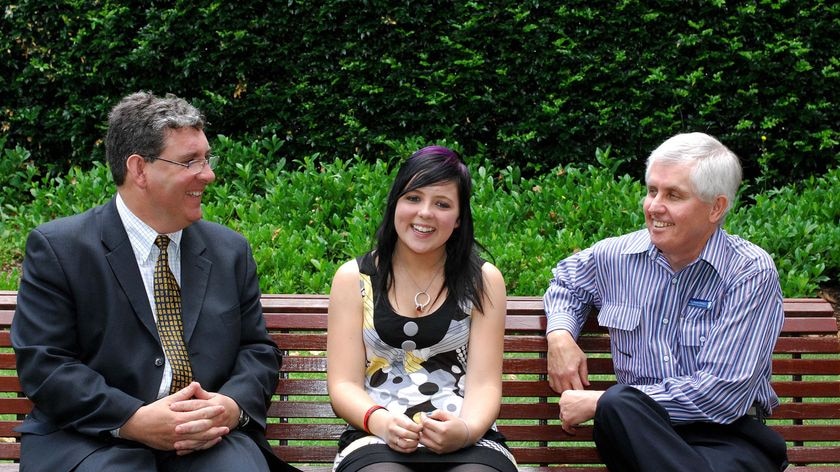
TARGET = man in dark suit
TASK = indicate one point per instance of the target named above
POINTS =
(113, 389)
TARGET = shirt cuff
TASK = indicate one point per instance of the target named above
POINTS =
(555, 322)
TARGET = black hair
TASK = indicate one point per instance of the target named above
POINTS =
(433, 165)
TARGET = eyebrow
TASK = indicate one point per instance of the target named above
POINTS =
(670, 188)
(191, 156)
(431, 195)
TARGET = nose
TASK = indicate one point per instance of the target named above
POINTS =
(654, 204)
(425, 210)
(207, 174)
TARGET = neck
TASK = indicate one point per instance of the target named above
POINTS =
(420, 277)
(680, 258)
(679, 261)
(418, 263)
(137, 204)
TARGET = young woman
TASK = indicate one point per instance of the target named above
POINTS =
(415, 335)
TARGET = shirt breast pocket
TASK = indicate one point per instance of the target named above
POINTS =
(695, 326)
(622, 322)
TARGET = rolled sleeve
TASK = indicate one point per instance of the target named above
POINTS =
(571, 293)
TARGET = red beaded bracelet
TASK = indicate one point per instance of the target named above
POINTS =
(367, 416)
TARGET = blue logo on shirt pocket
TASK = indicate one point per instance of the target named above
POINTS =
(700, 303)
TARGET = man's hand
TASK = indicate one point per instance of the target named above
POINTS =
(188, 420)
(567, 368)
(577, 406)
(205, 430)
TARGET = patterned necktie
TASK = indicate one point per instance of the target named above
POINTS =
(169, 324)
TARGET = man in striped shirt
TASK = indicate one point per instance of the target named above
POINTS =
(693, 314)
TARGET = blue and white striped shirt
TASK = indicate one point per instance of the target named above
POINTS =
(698, 341)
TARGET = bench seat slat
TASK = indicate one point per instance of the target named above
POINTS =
(312, 431)
(308, 453)
(813, 454)
(555, 455)
(15, 406)
(7, 429)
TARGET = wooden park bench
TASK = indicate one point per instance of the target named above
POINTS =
(304, 430)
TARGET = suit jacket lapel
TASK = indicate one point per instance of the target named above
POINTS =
(120, 256)
(195, 275)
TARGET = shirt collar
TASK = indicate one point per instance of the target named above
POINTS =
(141, 235)
(714, 252)
(639, 243)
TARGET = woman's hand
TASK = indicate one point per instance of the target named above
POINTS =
(399, 432)
(444, 432)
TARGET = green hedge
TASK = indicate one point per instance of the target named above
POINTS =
(305, 218)
(526, 83)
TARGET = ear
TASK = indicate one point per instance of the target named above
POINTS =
(718, 209)
(135, 167)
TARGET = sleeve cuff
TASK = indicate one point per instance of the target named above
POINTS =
(556, 322)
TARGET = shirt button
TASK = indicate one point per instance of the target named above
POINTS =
(667, 358)
(702, 339)
(665, 321)
(158, 361)
(674, 281)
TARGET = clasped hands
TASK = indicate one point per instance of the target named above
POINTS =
(439, 431)
(186, 421)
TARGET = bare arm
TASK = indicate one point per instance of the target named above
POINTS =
(346, 365)
(484, 374)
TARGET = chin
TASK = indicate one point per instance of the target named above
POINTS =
(658, 239)
(193, 218)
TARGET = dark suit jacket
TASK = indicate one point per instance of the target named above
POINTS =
(88, 352)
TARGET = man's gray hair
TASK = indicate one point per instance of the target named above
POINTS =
(716, 170)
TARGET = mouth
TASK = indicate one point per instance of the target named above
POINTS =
(661, 224)
(194, 194)
(423, 229)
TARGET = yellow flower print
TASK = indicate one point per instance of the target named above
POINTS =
(376, 364)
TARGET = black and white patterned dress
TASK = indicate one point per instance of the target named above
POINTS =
(415, 365)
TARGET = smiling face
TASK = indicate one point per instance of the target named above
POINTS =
(172, 199)
(425, 218)
(679, 222)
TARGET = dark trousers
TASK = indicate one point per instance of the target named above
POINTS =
(236, 452)
(634, 433)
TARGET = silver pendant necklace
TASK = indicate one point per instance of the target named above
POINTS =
(418, 296)
(422, 297)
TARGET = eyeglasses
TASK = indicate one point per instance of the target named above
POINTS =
(195, 165)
